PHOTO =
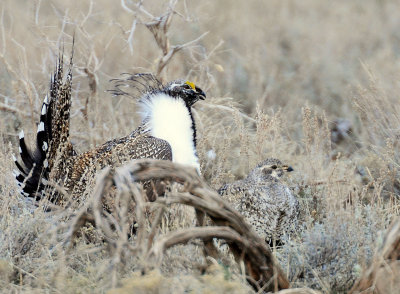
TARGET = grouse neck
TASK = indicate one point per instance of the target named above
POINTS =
(170, 119)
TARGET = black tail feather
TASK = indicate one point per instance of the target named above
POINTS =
(20, 167)
(18, 176)
(52, 134)
(30, 171)
(24, 152)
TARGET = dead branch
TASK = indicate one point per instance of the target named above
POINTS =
(104, 183)
(261, 268)
(260, 264)
(389, 252)
(159, 27)
(183, 236)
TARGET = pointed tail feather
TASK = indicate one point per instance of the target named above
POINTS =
(58, 119)
(33, 166)
(52, 138)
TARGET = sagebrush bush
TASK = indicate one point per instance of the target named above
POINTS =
(330, 254)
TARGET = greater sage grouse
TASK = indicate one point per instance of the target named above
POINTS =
(167, 132)
(266, 203)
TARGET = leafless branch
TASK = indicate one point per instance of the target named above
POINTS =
(261, 267)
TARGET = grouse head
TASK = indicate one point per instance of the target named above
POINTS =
(185, 90)
(269, 168)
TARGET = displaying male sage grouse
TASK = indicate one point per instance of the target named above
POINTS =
(167, 132)
(266, 203)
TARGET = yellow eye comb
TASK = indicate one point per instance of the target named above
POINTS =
(191, 85)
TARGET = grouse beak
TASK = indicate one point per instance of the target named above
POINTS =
(200, 93)
(289, 169)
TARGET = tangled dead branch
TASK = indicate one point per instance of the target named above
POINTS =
(262, 270)
(159, 27)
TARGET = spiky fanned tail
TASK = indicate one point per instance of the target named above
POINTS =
(52, 139)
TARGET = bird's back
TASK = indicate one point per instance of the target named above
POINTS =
(114, 153)
(267, 204)
(167, 132)
(270, 207)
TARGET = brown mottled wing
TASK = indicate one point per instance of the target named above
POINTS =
(150, 147)
(115, 153)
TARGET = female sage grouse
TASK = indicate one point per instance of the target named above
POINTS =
(167, 132)
(265, 202)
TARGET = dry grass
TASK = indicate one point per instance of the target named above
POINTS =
(278, 76)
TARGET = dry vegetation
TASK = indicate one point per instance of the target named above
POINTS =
(312, 83)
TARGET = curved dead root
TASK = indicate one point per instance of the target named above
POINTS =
(261, 268)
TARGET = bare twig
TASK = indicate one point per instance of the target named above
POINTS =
(261, 268)
(259, 261)
(185, 235)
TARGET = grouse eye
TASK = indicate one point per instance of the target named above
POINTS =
(274, 166)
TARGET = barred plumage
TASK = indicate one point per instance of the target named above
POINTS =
(267, 204)
(54, 161)
(52, 139)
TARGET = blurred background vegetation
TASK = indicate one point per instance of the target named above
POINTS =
(314, 83)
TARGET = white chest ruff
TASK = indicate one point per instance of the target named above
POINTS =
(169, 119)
